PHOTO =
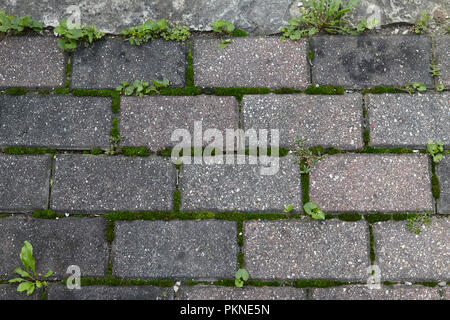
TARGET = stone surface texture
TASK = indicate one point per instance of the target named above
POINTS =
(443, 173)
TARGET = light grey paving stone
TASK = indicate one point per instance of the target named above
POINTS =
(323, 120)
(442, 50)
(251, 62)
(404, 255)
(290, 249)
(9, 292)
(57, 244)
(446, 292)
(368, 61)
(144, 292)
(362, 292)
(55, 121)
(85, 183)
(372, 183)
(24, 185)
(402, 120)
(443, 173)
(202, 249)
(151, 121)
(31, 62)
(106, 63)
(201, 292)
(241, 187)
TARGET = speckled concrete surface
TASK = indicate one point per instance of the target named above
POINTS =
(442, 49)
(443, 173)
(9, 292)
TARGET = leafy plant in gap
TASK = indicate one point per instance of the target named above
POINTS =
(226, 28)
(422, 23)
(241, 277)
(152, 30)
(314, 211)
(142, 88)
(415, 224)
(69, 37)
(436, 150)
(9, 23)
(305, 156)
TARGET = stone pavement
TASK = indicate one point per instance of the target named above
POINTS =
(136, 223)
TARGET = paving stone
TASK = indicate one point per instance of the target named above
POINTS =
(151, 121)
(246, 293)
(241, 187)
(144, 292)
(55, 121)
(24, 185)
(403, 120)
(362, 292)
(368, 61)
(442, 49)
(446, 292)
(57, 244)
(372, 183)
(404, 255)
(251, 62)
(85, 183)
(323, 120)
(9, 292)
(202, 249)
(31, 62)
(443, 173)
(289, 249)
(106, 63)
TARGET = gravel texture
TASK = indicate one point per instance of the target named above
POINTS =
(442, 49)
(443, 173)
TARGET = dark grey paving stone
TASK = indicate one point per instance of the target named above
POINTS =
(151, 121)
(443, 173)
(404, 255)
(323, 120)
(9, 292)
(362, 292)
(202, 249)
(288, 249)
(57, 244)
(24, 185)
(201, 292)
(85, 183)
(442, 50)
(106, 63)
(367, 61)
(31, 62)
(59, 292)
(372, 183)
(241, 187)
(55, 121)
(251, 62)
(402, 120)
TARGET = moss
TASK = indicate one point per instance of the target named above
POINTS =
(158, 215)
(188, 91)
(62, 91)
(190, 69)
(94, 93)
(240, 258)
(47, 214)
(403, 216)
(286, 91)
(224, 283)
(428, 283)
(281, 152)
(388, 283)
(317, 283)
(240, 92)
(371, 245)
(366, 136)
(317, 150)
(95, 151)
(305, 187)
(381, 90)
(26, 150)
(16, 91)
(377, 217)
(435, 187)
(115, 135)
(239, 33)
(333, 150)
(311, 55)
(109, 269)
(259, 283)
(135, 151)
(368, 149)
(176, 200)
(327, 90)
(167, 152)
(4, 215)
(349, 216)
(115, 103)
(111, 281)
(110, 235)
(329, 216)
(44, 92)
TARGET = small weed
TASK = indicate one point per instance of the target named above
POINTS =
(288, 208)
(440, 87)
(314, 211)
(367, 25)
(241, 277)
(29, 279)
(415, 87)
(114, 137)
(415, 224)
(422, 22)
(152, 30)
(226, 28)
(142, 88)
(436, 150)
(69, 37)
(435, 71)
(9, 23)
(305, 156)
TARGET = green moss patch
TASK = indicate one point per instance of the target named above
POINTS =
(135, 151)
(16, 91)
(26, 150)
(381, 90)
(318, 283)
(327, 90)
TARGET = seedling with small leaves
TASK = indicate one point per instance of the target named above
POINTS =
(226, 28)
(440, 87)
(69, 37)
(367, 25)
(288, 208)
(29, 279)
(415, 224)
(422, 23)
(305, 157)
(314, 211)
(434, 70)
(436, 150)
(9, 23)
(142, 88)
(416, 87)
(152, 30)
(241, 277)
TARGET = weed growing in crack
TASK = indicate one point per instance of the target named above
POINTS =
(415, 87)
(422, 22)
(241, 277)
(305, 156)
(142, 88)
(314, 211)
(436, 150)
(114, 138)
(11, 24)
(69, 37)
(415, 224)
(226, 28)
(152, 30)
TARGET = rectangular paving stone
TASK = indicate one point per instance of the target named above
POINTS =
(55, 121)
(200, 292)
(24, 185)
(251, 62)
(372, 183)
(106, 63)
(402, 120)
(442, 52)
(151, 121)
(85, 183)
(368, 61)
(405, 255)
(202, 249)
(443, 173)
(143, 292)
(57, 244)
(241, 187)
(290, 249)
(323, 120)
(31, 62)
(362, 292)
(9, 292)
